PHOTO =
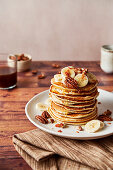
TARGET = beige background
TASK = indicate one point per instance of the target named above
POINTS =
(56, 29)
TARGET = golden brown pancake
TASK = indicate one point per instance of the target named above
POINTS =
(76, 98)
(74, 121)
(70, 103)
(62, 108)
(73, 115)
(90, 86)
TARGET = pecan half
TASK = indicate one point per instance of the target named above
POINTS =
(41, 119)
(34, 71)
(70, 82)
(41, 76)
(107, 112)
(45, 114)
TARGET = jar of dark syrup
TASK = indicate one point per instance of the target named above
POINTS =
(8, 72)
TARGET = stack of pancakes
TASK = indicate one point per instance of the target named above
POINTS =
(73, 105)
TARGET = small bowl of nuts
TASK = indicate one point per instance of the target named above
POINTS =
(23, 61)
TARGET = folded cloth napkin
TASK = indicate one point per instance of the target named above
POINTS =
(43, 151)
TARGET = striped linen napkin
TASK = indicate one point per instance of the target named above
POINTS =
(43, 151)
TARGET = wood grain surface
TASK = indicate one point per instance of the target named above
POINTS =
(12, 104)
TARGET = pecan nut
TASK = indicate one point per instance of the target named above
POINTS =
(70, 82)
(60, 125)
(99, 102)
(55, 65)
(79, 128)
(52, 120)
(60, 131)
(67, 73)
(41, 119)
(80, 70)
(41, 76)
(45, 115)
(34, 71)
(12, 57)
(107, 112)
(104, 118)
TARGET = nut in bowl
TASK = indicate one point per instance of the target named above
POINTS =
(23, 61)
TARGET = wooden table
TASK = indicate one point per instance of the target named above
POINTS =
(12, 103)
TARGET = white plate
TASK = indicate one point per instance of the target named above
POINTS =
(106, 99)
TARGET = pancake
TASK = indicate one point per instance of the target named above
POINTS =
(73, 115)
(89, 86)
(62, 108)
(73, 96)
(72, 121)
(69, 92)
(61, 99)
(65, 102)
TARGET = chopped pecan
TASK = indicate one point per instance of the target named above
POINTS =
(59, 72)
(60, 131)
(67, 73)
(84, 70)
(104, 118)
(34, 71)
(52, 120)
(60, 125)
(70, 82)
(41, 119)
(80, 70)
(55, 65)
(45, 114)
(107, 112)
(99, 102)
(79, 128)
(57, 125)
(41, 76)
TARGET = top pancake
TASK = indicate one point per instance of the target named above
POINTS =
(63, 87)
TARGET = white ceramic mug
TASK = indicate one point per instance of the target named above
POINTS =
(106, 62)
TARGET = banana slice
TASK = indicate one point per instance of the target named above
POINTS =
(48, 102)
(91, 77)
(58, 77)
(101, 125)
(67, 70)
(41, 106)
(94, 126)
(81, 79)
